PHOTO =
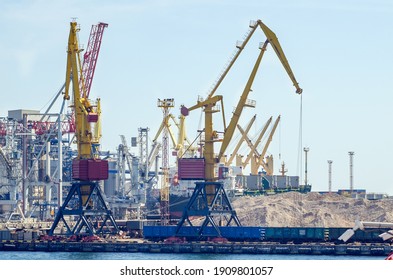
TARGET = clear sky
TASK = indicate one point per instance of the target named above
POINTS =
(340, 52)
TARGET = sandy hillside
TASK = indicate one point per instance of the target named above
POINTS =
(310, 210)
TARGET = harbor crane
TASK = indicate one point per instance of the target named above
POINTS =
(211, 192)
(258, 159)
(85, 203)
(242, 139)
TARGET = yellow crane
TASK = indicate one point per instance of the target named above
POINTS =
(258, 159)
(243, 137)
(182, 144)
(211, 191)
(210, 134)
(91, 212)
(86, 112)
(272, 38)
(257, 142)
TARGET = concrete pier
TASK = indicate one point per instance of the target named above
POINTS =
(381, 249)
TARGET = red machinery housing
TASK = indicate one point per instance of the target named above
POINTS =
(89, 169)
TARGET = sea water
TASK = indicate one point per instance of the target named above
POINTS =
(24, 255)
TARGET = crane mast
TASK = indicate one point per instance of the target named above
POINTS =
(85, 111)
(165, 105)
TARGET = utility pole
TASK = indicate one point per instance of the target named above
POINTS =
(143, 139)
(330, 175)
(351, 154)
(306, 150)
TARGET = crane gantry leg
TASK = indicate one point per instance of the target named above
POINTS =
(84, 212)
(215, 209)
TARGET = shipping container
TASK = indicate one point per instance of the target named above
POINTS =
(134, 225)
(27, 235)
(223, 172)
(5, 235)
(20, 235)
(254, 182)
(191, 168)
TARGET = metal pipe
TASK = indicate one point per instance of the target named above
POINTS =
(306, 150)
(60, 163)
(330, 175)
(351, 154)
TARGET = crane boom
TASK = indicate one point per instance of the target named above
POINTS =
(90, 57)
(165, 125)
(253, 27)
(254, 147)
(244, 135)
(241, 104)
(269, 140)
(273, 40)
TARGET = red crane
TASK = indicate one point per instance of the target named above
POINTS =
(90, 57)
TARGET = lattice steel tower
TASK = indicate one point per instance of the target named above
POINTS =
(165, 105)
(143, 152)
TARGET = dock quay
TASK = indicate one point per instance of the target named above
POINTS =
(199, 247)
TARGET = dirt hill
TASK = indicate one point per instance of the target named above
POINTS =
(310, 210)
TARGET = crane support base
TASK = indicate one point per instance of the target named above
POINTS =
(210, 202)
(84, 212)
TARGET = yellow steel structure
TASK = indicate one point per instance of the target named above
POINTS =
(84, 205)
(261, 159)
(182, 144)
(244, 135)
(165, 105)
(210, 134)
(258, 159)
(85, 111)
(166, 125)
(230, 130)
(272, 38)
(257, 142)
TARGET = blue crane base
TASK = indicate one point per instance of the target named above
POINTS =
(215, 209)
(87, 212)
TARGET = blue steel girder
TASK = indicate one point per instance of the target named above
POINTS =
(198, 206)
(92, 215)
